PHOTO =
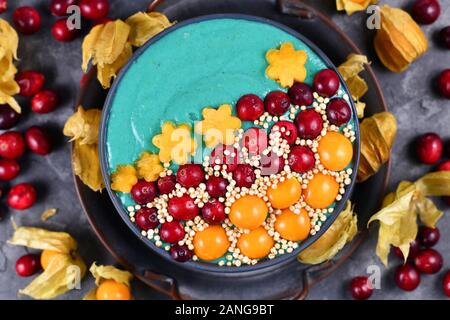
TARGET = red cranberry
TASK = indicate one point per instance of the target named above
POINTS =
(144, 192)
(38, 141)
(94, 9)
(445, 36)
(326, 83)
(446, 284)
(183, 208)
(3, 6)
(190, 175)
(287, 130)
(180, 253)
(271, 164)
(407, 277)
(444, 166)
(8, 117)
(255, 140)
(44, 102)
(27, 20)
(429, 148)
(338, 112)
(28, 264)
(62, 32)
(250, 107)
(244, 175)
(429, 261)
(147, 218)
(414, 248)
(301, 94)
(277, 103)
(361, 288)
(301, 159)
(22, 196)
(309, 124)
(213, 212)
(225, 155)
(444, 83)
(59, 7)
(9, 169)
(426, 11)
(428, 237)
(216, 186)
(171, 232)
(166, 184)
(30, 82)
(12, 145)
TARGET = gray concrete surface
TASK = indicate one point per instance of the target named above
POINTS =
(409, 95)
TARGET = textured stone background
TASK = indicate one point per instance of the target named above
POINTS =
(410, 96)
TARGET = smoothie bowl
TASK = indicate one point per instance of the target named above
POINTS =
(229, 143)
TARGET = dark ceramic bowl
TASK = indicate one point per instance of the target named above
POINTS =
(199, 265)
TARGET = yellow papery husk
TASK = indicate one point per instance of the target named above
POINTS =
(360, 107)
(398, 218)
(100, 273)
(107, 72)
(7, 67)
(48, 213)
(9, 40)
(86, 165)
(7, 90)
(377, 138)
(342, 231)
(352, 6)
(145, 26)
(37, 238)
(399, 41)
(83, 125)
(63, 274)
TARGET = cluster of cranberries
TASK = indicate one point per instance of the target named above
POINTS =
(13, 143)
(427, 12)
(27, 20)
(421, 259)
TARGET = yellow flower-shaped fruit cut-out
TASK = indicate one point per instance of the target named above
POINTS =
(286, 65)
(149, 166)
(218, 126)
(175, 143)
(124, 178)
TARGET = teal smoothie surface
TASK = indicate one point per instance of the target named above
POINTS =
(203, 64)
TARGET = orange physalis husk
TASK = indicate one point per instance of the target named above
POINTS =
(352, 6)
(65, 269)
(377, 138)
(398, 218)
(341, 232)
(145, 26)
(399, 41)
(47, 214)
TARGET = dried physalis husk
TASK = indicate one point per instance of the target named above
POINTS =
(145, 26)
(351, 6)
(333, 240)
(350, 71)
(398, 218)
(9, 42)
(377, 137)
(86, 165)
(47, 214)
(107, 45)
(101, 273)
(64, 271)
(399, 41)
(83, 125)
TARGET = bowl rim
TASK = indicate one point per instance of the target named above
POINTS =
(207, 266)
